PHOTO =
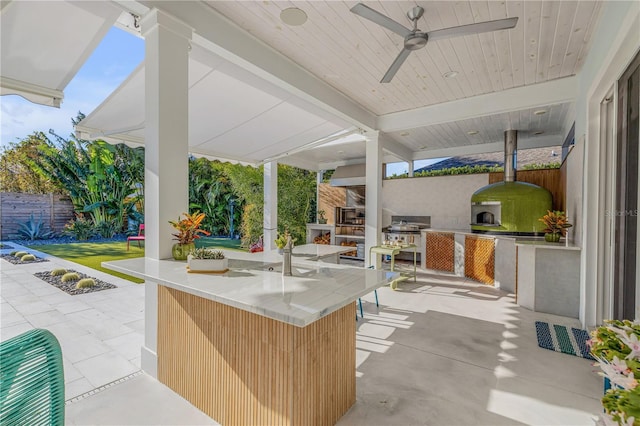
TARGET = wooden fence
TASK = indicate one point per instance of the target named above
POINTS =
(550, 179)
(16, 208)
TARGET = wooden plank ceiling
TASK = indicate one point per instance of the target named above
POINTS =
(352, 54)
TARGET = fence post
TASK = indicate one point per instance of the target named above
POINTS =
(52, 218)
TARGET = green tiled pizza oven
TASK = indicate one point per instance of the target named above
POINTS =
(521, 205)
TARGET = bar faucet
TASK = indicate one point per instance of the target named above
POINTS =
(286, 258)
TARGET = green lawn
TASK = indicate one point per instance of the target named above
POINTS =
(93, 254)
(221, 243)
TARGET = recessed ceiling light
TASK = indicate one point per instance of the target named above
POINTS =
(540, 112)
(404, 134)
(472, 132)
(539, 132)
(293, 16)
(450, 74)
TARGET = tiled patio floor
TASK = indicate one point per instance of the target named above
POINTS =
(442, 351)
(100, 333)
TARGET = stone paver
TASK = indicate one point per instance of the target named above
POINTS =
(100, 333)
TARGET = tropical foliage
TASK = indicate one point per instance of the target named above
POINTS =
(106, 186)
(210, 192)
(296, 200)
(189, 228)
(555, 222)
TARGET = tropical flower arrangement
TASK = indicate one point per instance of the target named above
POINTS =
(616, 347)
(189, 228)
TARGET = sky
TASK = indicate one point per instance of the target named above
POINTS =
(116, 57)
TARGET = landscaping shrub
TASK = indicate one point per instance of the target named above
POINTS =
(58, 271)
(20, 253)
(85, 283)
(28, 258)
(34, 230)
(106, 229)
(80, 228)
(70, 277)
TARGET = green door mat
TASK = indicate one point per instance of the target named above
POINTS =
(560, 339)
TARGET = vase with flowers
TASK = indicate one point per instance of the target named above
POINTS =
(188, 231)
(556, 224)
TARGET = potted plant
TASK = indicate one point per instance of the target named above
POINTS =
(616, 348)
(281, 241)
(207, 260)
(188, 231)
(556, 225)
(321, 219)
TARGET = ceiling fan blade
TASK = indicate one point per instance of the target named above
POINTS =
(481, 27)
(380, 19)
(395, 66)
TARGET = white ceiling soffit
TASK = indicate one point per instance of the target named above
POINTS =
(232, 113)
(40, 55)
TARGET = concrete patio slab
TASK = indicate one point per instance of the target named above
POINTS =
(441, 351)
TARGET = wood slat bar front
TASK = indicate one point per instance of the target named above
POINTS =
(241, 368)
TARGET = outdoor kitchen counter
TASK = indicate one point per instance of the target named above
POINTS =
(255, 283)
(252, 346)
(544, 276)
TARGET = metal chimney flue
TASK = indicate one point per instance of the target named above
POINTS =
(510, 155)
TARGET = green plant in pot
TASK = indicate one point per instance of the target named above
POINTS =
(188, 231)
(321, 218)
(556, 224)
(207, 260)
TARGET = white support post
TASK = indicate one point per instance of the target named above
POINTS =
(410, 167)
(319, 177)
(270, 205)
(166, 151)
(373, 194)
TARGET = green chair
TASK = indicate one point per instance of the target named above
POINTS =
(31, 380)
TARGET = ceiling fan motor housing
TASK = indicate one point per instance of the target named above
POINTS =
(415, 41)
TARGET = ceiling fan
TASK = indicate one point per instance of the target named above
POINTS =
(415, 39)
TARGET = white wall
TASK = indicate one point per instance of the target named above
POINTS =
(616, 41)
(573, 194)
(447, 199)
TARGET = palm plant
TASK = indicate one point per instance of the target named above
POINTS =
(102, 180)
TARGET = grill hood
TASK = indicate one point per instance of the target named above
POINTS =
(353, 175)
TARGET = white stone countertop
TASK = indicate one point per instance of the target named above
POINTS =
(519, 240)
(563, 245)
(255, 283)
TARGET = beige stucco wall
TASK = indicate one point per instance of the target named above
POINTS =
(447, 199)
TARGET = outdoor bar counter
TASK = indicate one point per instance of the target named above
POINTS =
(252, 346)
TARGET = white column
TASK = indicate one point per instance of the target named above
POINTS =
(270, 204)
(373, 193)
(166, 150)
(410, 167)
